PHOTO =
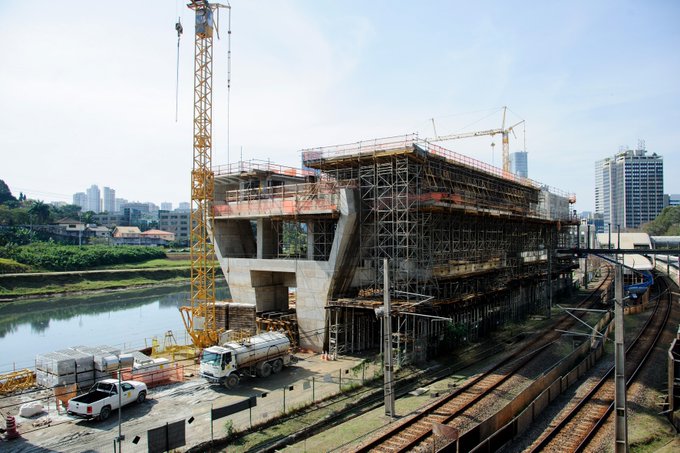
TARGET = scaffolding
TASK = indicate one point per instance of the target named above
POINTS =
(464, 241)
(473, 237)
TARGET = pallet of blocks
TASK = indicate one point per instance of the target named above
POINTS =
(67, 366)
(242, 317)
(104, 358)
(222, 315)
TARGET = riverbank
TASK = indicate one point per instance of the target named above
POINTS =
(40, 285)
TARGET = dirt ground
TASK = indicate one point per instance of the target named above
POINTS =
(310, 378)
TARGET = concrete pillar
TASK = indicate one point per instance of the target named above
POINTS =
(310, 239)
(266, 239)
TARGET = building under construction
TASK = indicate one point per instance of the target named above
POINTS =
(463, 240)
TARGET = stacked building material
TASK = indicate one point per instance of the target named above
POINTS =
(242, 317)
(222, 315)
(67, 366)
(102, 357)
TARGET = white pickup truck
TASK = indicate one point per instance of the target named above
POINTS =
(103, 397)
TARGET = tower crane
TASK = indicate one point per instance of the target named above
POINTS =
(505, 132)
(199, 317)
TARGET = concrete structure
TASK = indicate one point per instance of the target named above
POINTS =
(126, 232)
(629, 188)
(464, 240)
(93, 199)
(671, 200)
(111, 220)
(119, 204)
(519, 163)
(108, 200)
(159, 234)
(71, 225)
(628, 241)
(80, 199)
(184, 206)
(98, 232)
(175, 222)
(166, 206)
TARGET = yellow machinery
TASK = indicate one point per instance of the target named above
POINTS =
(16, 381)
(199, 317)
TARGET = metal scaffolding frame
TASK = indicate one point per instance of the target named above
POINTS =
(478, 243)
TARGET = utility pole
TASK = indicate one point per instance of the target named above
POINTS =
(387, 341)
(621, 426)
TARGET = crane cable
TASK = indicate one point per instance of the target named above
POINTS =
(180, 30)
(228, 79)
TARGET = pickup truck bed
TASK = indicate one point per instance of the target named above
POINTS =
(91, 397)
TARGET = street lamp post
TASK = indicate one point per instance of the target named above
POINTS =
(123, 360)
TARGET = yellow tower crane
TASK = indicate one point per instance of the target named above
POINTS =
(199, 317)
(505, 132)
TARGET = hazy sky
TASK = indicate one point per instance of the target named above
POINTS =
(87, 89)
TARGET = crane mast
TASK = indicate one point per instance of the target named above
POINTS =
(199, 317)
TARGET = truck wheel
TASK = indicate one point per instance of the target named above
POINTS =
(231, 381)
(266, 370)
(277, 366)
(105, 412)
(141, 397)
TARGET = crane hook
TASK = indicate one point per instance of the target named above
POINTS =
(179, 28)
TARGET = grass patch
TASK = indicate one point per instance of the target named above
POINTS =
(8, 266)
(162, 263)
(27, 285)
(648, 433)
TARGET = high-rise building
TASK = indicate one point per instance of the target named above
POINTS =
(519, 163)
(176, 222)
(80, 199)
(109, 200)
(119, 204)
(93, 199)
(184, 206)
(166, 206)
(629, 188)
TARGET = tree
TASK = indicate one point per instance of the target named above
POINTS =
(87, 216)
(6, 196)
(71, 211)
(664, 222)
(39, 212)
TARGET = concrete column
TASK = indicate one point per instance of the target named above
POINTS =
(310, 239)
(266, 239)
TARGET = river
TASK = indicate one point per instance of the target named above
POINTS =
(126, 319)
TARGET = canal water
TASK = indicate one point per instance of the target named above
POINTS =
(127, 320)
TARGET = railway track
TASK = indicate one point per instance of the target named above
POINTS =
(415, 431)
(583, 419)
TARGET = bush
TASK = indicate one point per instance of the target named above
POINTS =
(56, 257)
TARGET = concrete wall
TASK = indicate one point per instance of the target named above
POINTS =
(264, 281)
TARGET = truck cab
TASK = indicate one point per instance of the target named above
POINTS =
(217, 363)
(260, 355)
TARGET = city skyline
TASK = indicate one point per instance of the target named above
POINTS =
(107, 200)
(342, 73)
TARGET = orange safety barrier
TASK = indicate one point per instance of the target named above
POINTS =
(169, 373)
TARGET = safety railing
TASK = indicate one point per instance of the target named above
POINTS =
(260, 165)
(291, 199)
(311, 155)
(368, 147)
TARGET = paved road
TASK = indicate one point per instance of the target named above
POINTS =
(193, 398)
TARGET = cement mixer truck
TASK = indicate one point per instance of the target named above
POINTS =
(259, 355)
